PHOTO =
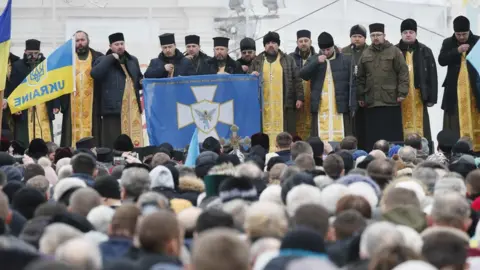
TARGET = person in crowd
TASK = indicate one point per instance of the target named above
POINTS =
(35, 122)
(382, 86)
(81, 108)
(222, 63)
(248, 50)
(194, 53)
(282, 87)
(423, 81)
(303, 51)
(170, 62)
(461, 97)
(119, 74)
(332, 98)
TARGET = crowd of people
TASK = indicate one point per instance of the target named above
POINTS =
(305, 205)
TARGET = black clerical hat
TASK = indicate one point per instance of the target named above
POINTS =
(271, 37)
(167, 39)
(116, 37)
(85, 143)
(220, 41)
(304, 34)
(408, 24)
(192, 39)
(104, 155)
(247, 44)
(32, 45)
(358, 30)
(325, 40)
(461, 24)
(377, 27)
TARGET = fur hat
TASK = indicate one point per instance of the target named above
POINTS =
(271, 37)
(247, 44)
(408, 24)
(65, 185)
(237, 188)
(123, 143)
(37, 148)
(358, 30)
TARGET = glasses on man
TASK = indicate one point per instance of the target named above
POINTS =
(376, 35)
(248, 52)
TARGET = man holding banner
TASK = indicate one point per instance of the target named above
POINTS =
(119, 75)
(34, 118)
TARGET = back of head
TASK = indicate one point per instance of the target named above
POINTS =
(220, 249)
(305, 162)
(354, 202)
(473, 182)
(349, 143)
(378, 236)
(347, 223)
(107, 187)
(83, 200)
(382, 145)
(213, 218)
(301, 195)
(295, 180)
(445, 249)
(265, 219)
(26, 200)
(135, 181)
(312, 216)
(317, 145)
(382, 171)
(451, 210)
(154, 240)
(414, 140)
(81, 253)
(212, 144)
(39, 183)
(56, 234)
(407, 154)
(427, 176)
(301, 147)
(284, 140)
(392, 256)
(396, 197)
(348, 162)
(32, 170)
(304, 239)
(334, 166)
(101, 217)
(124, 221)
(84, 164)
(160, 159)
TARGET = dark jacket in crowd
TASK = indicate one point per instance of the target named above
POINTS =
(292, 83)
(424, 69)
(298, 58)
(108, 73)
(182, 66)
(354, 52)
(200, 64)
(449, 56)
(315, 72)
(147, 261)
(382, 76)
(242, 62)
(231, 67)
(189, 188)
(20, 70)
(115, 248)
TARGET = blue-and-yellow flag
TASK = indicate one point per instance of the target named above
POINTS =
(5, 33)
(52, 78)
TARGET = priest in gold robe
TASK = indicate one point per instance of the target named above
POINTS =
(35, 122)
(81, 109)
(303, 51)
(333, 93)
(461, 97)
(119, 75)
(282, 88)
(423, 85)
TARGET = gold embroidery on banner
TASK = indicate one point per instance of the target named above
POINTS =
(82, 100)
(272, 100)
(468, 115)
(130, 118)
(304, 117)
(412, 106)
(42, 123)
(330, 122)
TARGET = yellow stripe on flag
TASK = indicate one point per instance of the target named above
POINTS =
(4, 55)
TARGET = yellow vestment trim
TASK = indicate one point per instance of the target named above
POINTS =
(81, 101)
(330, 122)
(412, 106)
(272, 100)
(42, 123)
(131, 117)
(468, 115)
(304, 116)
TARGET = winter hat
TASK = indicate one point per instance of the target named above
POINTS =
(107, 187)
(11, 188)
(464, 165)
(394, 150)
(167, 39)
(347, 160)
(19, 147)
(77, 221)
(366, 191)
(33, 230)
(261, 139)
(325, 40)
(178, 205)
(85, 143)
(358, 30)
(303, 34)
(408, 24)
(211, 144)
(364, 163)
(26, 200)
(192, 39)
(359, 153)
(220, 42)
(461, 147)
(295, 180)
(37, 149)
(354, 178)
(461, 24)
(6, 159)
(447, 138)
(271, 37)
(12, 172)
(317, 146)
(62, 152)
(175, 174)
(161, 177)
(62, 187)
(51, 175)
(228, 159)
(204, 162)
(304, 239)
(377, 27)
(272, 193)
(123, 143)
(247, 44)
(237, 188)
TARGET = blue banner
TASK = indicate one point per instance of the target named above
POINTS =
(174, 107)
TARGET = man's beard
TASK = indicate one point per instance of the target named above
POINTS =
(82, 50)
(220, 58)
(271, 52)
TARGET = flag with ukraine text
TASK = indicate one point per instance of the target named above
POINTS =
(52, 78)
(5, 34)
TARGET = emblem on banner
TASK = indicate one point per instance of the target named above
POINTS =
(38, 74)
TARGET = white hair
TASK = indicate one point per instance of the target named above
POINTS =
(81, 253)
(266, 219)
(427, 176)
(415, 264)
(377, 236)
(332, 194)
(248, 170)
(135, 181)
(415, 187)
(54, 235)
(322, 181)
(377, 154)
(450, 208)
(364, 190)
(44, 162)
(450, 184)
(188, 217)
(412, 238)
(237, 209)
(68, 183)
(62, 162)
(407, 154)
(272, 193)
(302, 195)
(100, 217)
(65, 172)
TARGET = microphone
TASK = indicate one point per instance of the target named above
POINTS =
(353, 46)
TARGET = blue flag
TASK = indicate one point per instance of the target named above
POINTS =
(175, 107)
(193, 150)
(474, 57)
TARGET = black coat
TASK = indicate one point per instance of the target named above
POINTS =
(449, 56)
(298, 58)
(425, 70)
(108, 73)
(183, 66)
(232, 66)
(242, 62)
(345, 91)
(200, 64)
(20, 70)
